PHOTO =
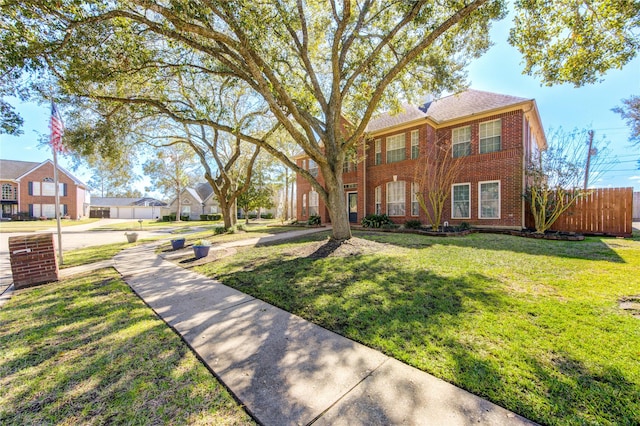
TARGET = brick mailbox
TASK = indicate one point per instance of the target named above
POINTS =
(33, 260)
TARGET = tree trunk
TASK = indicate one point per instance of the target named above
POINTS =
(285, 213)
(292, 198)
(227, 214)
(337, 206)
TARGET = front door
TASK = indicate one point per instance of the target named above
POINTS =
(352, 203)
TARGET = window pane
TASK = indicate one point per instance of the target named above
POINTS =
(415, 140)
(461, 201)
(396, 148)
(490, 200)
(378, 149)
(490, 136)
(461, 140)
(396, 198)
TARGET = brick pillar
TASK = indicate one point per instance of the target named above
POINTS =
(33, 260)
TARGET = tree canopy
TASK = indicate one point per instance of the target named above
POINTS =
(320, 68)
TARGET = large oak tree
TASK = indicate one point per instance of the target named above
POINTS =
(323, 68)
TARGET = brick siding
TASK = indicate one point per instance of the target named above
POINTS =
(33, 260)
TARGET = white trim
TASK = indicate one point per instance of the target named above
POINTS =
(480, 199)
(468, 185)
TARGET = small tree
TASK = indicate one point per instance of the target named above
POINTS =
(173, 169)
(254, 197)
(555, 176)
(436, 170)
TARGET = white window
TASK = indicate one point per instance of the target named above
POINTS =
(396, 148)
(186, 210)
(396, 198)
(415, 206)
(378, 198)
(8, 192)
(461, 201)
(36, 189)
(213, 209)
(490, 136)
(415, 141)
(304, 204)
(48, 189)
(49, 210)
(313, 203)
(378, 148)
(36, 210)
(461, 140)
(489, 203)
(313, 168)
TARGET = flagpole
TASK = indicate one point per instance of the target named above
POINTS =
(55, 179)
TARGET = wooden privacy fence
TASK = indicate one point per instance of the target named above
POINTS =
(604, 211)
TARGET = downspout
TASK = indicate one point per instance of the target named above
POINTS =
(524, 167)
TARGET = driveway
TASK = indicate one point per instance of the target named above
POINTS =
(73, 237)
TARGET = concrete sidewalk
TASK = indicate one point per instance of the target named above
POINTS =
(287, 371)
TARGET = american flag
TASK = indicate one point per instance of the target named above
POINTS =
(57, 129)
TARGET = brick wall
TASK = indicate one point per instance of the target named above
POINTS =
(74, 207)
(33, 260)
(505, 166)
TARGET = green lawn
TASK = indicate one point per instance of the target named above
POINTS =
(148, 224)
(92, 254)
(39, 225)
(88, 351)
(532, 325)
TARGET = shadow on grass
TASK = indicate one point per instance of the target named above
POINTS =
(87, 350)
(592, 248)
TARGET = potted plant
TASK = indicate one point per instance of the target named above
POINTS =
(201, 248)
(177, 243)
(132, 237)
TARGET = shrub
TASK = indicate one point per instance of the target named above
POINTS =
(240, 227)
(219, 230)
(413, 224)
(314, 220)
(464, 226)
(166, 218)
(214, 216)
(376, 221)
(204, 217)
(202, 243)
(267, 215)
(184, 217)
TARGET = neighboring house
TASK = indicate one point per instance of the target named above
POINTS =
(28, 190)
(126, 208)
(194, 202)
(494, 134)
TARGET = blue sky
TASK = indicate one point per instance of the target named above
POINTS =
(500, 71)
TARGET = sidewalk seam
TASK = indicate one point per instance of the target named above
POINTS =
(344, 395)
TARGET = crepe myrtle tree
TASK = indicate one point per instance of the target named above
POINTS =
(556, 176)
(322, 68)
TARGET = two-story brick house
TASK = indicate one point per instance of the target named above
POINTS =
(493, 134)
(28, 190)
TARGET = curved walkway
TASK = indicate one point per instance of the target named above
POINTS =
(288, 371)
(284, 369)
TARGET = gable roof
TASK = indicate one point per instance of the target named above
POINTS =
(453, 107)
(16, 170)
(125, 201)
(13, 169)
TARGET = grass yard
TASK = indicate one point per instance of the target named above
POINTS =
(88, 351)
(532, 325)
(92, 254)
(39, 225)
(149, 224)
(253, 230)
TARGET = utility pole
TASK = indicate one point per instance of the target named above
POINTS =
(586, 172)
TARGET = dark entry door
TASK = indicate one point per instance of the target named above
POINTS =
(352, 201)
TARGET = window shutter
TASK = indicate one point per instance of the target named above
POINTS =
(30, 191)
(64, 189)
(30, 205)
(64, 206)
